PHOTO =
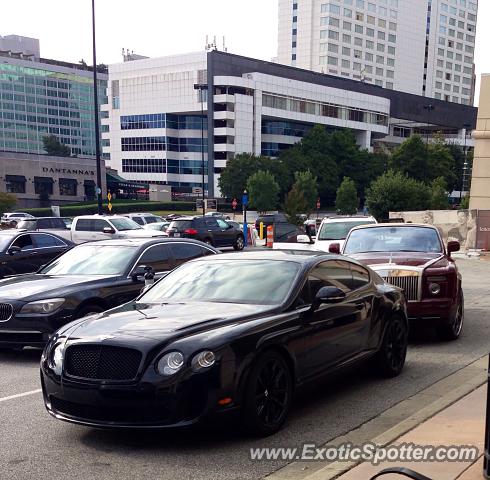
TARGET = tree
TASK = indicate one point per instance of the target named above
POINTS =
(438, 196)
(54, 147)
(465, 202)
(263, 191)
(233, 179)
(294, 205)
(396, 192)
(410, 158)
(306, 184)
(347, 201)
(441, 163)
(7, 201)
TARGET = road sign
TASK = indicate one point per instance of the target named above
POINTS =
(109, 196)
(245, 199)
(318, 205)
(234, 204)
(109, 206)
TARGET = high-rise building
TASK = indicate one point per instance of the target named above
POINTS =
(41, 97)
(424, 47)
(157, 117)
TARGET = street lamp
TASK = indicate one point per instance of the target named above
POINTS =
(201, 87)
(429, 109)
(464, 178)
(96, 119)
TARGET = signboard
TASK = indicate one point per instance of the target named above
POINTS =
(483, 229)
(318, 204)
(56, 210)
(212, 204)
(234, 204)
(197, 190)
(245, 199)
(109, 196)
(199, 204)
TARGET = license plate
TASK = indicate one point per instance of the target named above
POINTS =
(177, 234)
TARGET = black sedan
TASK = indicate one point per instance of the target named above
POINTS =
(25, 252)
(89, 278)
(217, 335)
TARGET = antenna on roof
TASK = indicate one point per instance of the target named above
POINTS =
(224, 45)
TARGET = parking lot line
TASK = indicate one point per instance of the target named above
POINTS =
(18, 395)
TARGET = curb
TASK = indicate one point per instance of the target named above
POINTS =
(394, 422)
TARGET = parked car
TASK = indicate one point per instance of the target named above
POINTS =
(217, 335)
(87, 228)
(11, 219)
(143, 219)
(53, 224)
(211, 230)
(90, 278)
(414, 258)
(270, 219)
(218, 215)
(331, 230)
(159, 226)
(24, 252)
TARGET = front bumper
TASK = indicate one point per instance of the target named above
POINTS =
(432, 309)
(161, 403)
(31, 330)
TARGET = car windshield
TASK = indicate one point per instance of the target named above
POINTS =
(393, 239)
(237, 281)
(5, 240)
(180, 224)
(123, 224)
(339, 230)
(92, 260)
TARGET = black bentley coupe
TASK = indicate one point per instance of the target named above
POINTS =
(223, 333)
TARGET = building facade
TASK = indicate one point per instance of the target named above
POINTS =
(40, 97)
(156, 111)
(424, 47)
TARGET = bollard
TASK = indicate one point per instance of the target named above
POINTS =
(270, 236)
(486, 453)
(261, 230)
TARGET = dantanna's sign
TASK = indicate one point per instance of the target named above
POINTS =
(71, 171)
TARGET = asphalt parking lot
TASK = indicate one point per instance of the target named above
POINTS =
(33, 445)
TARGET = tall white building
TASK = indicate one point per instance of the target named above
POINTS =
(159, 129)
(424, 47)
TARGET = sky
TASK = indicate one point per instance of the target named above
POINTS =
(157, 28)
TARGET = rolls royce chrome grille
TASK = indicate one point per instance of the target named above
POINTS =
(6, 312)
(410, 285)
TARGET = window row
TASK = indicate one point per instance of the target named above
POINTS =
(162, 120)
(323, 109)
(136, 144)
(160, 165)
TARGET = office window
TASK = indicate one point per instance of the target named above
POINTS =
(333, 35)
(368, 68)
(368, 57)
(357, 54)
(360, 3)
(370, 32)
(449, 54)
(392, 26)
(389, 85)
(346, 38)
(455, 88)
(439, 85)
(392, 38)
(383, 11)
(379, 72)
(333, 48)
(457, 67)
(370, 44)
(346, 51)
(390, 62)
(347, 26)
(359, 29)
(371, 20)
(380, 59)
(345, 63)
(439, 74)
(358, 42)
(391, 50)
(332, 60)
(360, 17)
(440, 63)
(347, 12)
(449, 65)
(357, 66)
(380, 47)
(379, 83)
(441, 52)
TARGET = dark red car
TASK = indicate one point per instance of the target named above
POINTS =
(414, 258)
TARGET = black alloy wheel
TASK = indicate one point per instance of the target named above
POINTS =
(239, 243)
(268, 395)
(452, 329)
(391, 357)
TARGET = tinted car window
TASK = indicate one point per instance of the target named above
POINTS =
(222, 223)
(151, 219)
(138, 220)
(180, 224)
(339, 230)
(84, 225)
(24, 242)
(333, 273)
(44, 223)
(99, 225)
(183, 252)
(46, 241)
(211, 222)
(157, 257)
(360, 276)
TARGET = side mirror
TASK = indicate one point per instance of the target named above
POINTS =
(334, 248)
(329, 295)
(453, 246)
(108, 230)
(138, 273)
(303, 239)
(14, 249)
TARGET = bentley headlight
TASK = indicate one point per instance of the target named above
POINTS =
(435, 288)
(55, 359)
(43, 306)
(170, 363)
(203, 359)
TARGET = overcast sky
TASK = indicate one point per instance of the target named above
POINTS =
(164, 27)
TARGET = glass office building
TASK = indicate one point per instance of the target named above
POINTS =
(41, 97)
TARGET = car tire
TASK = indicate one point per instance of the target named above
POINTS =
(268, 395)
(239, 243)
(390, 359)
(451, 329)
(87, 310)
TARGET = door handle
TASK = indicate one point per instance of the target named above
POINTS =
(33, 253)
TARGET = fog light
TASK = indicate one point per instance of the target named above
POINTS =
(435, 288)
(203, 359)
